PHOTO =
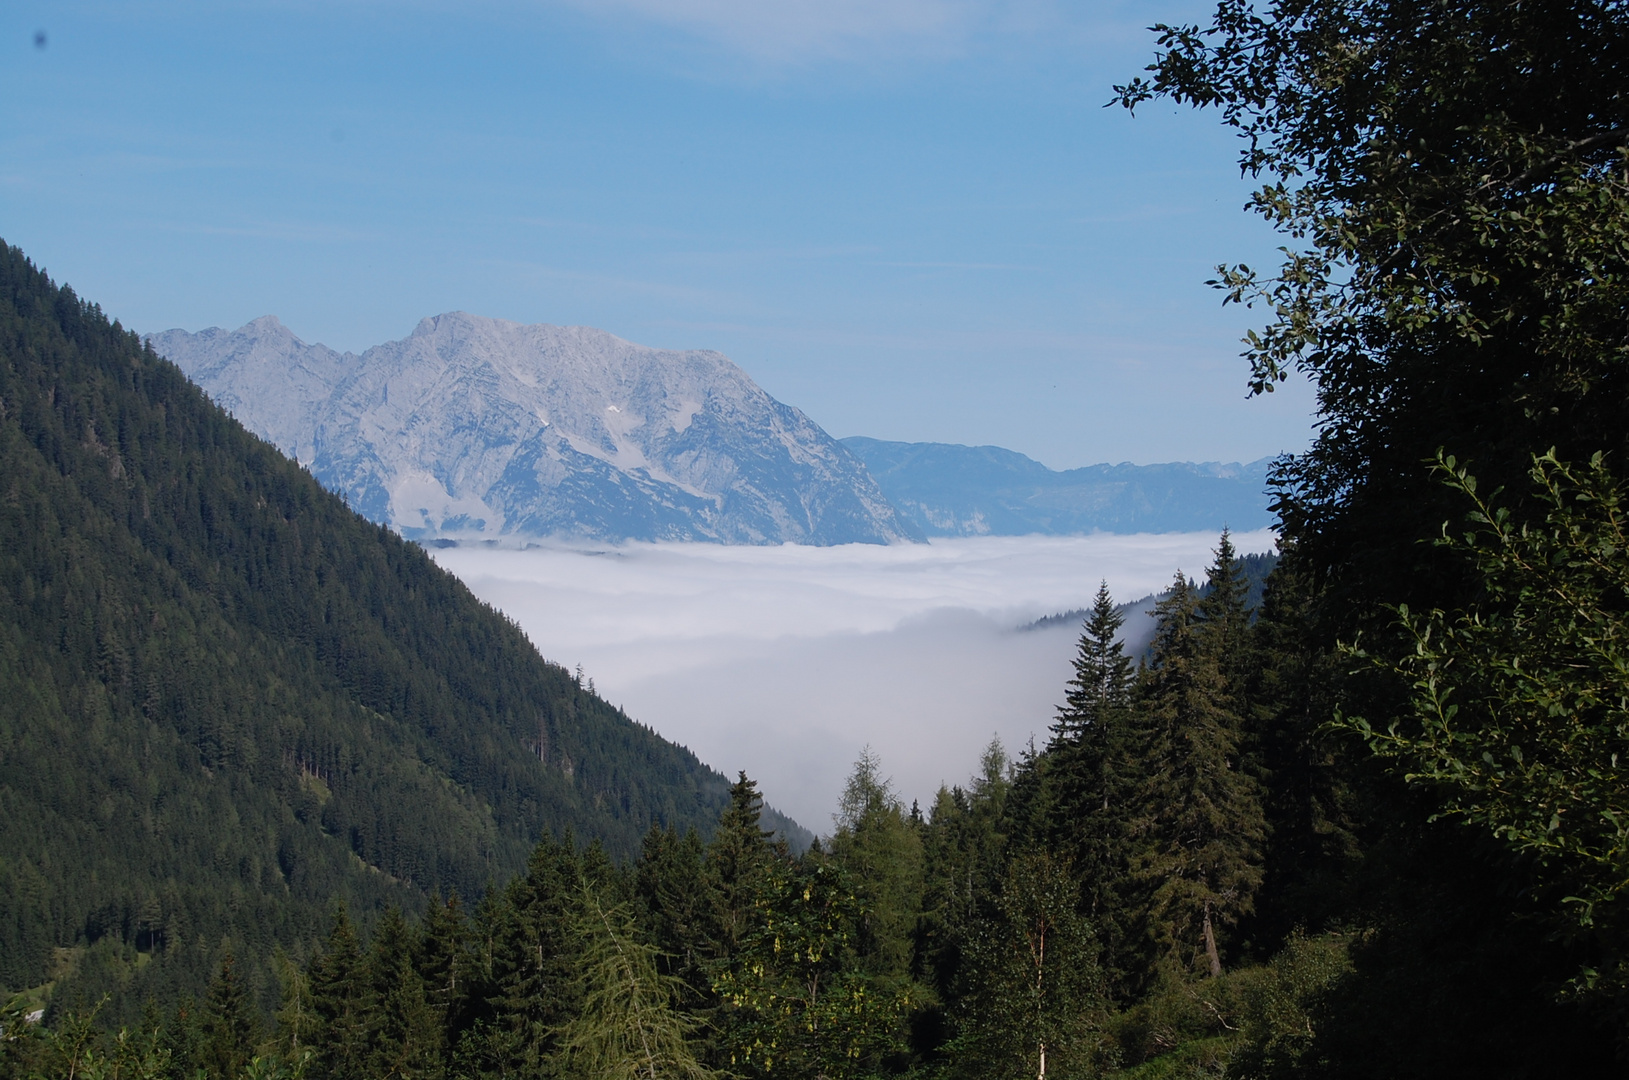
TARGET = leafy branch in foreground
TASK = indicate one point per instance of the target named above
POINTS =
(1452, 168)
(1519, 711)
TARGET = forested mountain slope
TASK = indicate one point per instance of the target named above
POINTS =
(226, 699)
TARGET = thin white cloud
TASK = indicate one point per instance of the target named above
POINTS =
(785, 661)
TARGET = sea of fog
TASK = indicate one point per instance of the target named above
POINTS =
(787, 661)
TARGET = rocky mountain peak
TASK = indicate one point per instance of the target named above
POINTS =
(479, 427)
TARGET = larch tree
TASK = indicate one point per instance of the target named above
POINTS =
(629, 1026)
(881, 852)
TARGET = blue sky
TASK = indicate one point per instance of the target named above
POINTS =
(913, 219)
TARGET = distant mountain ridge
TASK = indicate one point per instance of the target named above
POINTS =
(473, 427)
(945, 489)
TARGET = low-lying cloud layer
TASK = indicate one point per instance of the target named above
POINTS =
(786, 661)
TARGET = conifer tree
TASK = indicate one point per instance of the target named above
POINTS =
(881, 852)
(1092, 774)
(1102, 683)
(1222, 610)
(1224, 627)
(738, 861)
(404, 1032)
(445, 963)
(182, 1039)
(230, 1024)
(535, 985)
(669, 883)
(629, 1026)
(1308, 798)
(341, 999)
(479, 1041)
(1196, 838)
(964, 854)
(296, 1015)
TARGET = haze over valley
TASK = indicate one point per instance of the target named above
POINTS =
(786, 661)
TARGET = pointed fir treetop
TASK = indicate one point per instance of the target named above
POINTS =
(1174, 616)
(1225, 590)
(745, 813)
(1102, 679)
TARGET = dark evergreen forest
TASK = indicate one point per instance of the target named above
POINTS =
(227, 701)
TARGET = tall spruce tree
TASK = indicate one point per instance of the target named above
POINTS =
(738, 861)
(1224, 619)
(1308, 798)
(230, 1025)
(964, 856)
(446, 964)
(1090, 770)
(1102, 682)
(404, 1031)
(669, 883)
(535, 989)
(342, 1001)
(1197, 836)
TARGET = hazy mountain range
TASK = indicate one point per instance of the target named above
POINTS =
(947, 490)
(477, 428)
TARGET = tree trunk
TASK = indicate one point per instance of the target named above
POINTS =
(1210, 944)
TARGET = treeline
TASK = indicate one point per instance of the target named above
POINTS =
(1077, 912)
(225, 699)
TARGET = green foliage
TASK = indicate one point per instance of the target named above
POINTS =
(1454, 169)
(629, 1026)
(1294, 684)
(1520, 706)
(1033, 992)
(78, 1048)
(341, 1001)
(1093, 779)
(795, 1003)
(1452, 180)
(964, 853)
(675, 910)
(403, 1033)
(1197, 827)
(230, 1027)
(738, 864)
(1276, 1032)
(880, 850)
(226, 700)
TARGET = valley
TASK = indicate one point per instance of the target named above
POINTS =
(787, 661)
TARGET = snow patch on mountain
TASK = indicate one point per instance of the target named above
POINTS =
(473, 427)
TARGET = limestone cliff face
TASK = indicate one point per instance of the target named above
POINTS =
(474, 427)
